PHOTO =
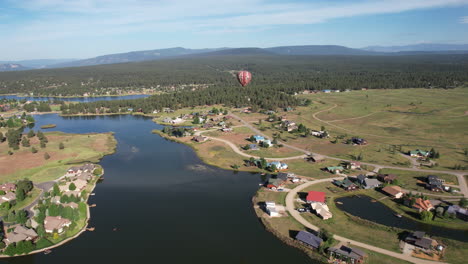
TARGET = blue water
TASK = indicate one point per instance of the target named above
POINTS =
(76, 99)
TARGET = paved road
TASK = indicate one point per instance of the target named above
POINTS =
(294, 213)
(460, 175)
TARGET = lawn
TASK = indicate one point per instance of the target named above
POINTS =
(79, 148)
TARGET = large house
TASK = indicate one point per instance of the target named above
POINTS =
(309, 239)
(279, 165)
(394, 191)
(314, 196)
(354, 165)
(199, 138)
(79, 184)
(422, 205)
(348, 254)
(55, 223)
(420, 241)
(258, 138)
(321, 210)
(435, 184)
(271, 209)
(20, 233)
(367, 183)
(289, 125)
(274, 183)
(459, 212)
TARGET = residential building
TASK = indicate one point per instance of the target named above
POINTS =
(393, 191)
(335, 169)
(420, 241)
(258, 138)
(309, 239)
(386, 178)
(346, 184)
(279, 165)
(371, 183)
(314, 196)
(422, 205)
(419, 153)
(354, 165)
(459, 212)
(253, 147)
(347, 254)
(20, 233)
(8, 197)
(274, 183)
(434, 183)
(271, 209)
(358, 141)
(321, 210)
(199, 138)
(8, 187)
(55, 223)
(267, 143)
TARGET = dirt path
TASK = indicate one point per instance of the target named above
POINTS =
(295, 214)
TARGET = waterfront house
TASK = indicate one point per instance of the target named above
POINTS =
(20, 233)
(271, 209)
(393, 191)
(199, 138)
(8, 187)
(309, 239)
(347, 254)
(72, 193)
(386, 178)
(274, 183)
(335, 169)
(459, 212)
(85, 176)
(74, 170)
(422, 205)
(419, 153)
(88, 167)
(314, 196)
(321, 210)
(55, 224)
(167, 120)
(176, 121)
(79, 184)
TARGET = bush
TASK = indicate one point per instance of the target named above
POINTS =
(46, 156)
(33, 150)
(61, 146)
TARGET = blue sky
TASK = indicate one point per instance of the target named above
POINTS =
(35, 29)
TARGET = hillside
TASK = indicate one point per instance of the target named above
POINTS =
(12, 67)
(424, 47)
(319, 50)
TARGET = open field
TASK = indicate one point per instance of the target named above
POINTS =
(79, 148)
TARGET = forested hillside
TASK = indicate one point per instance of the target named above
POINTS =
(270, 72)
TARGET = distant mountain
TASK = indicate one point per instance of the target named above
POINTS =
(319, 50)
(419, 47)
(134, 56)
(13, 67)
(37, 64)
(238, 51)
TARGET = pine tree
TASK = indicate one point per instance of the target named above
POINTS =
(46, 156)
(31, 133)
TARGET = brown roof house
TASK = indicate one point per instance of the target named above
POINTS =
(8, 187)
(422, 205)
(57, 223)
(79, 184)
(387, 178)
(7, 197)
(199, 139)
(20, 233)
(394, 191)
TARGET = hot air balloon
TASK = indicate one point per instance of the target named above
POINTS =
(244, 77)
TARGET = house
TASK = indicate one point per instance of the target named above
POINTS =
(309, 239)
(386, 178)
(327, 91)
(394, 191)
(354, 165)
(74, 170)
(267, 143)
(420, 241)
(79, 184)
(8, 197)
(361, 178)
(271, 209)
(459, 212)
(176, 121)
(314, 196)
(358, 141)
(371, 183)
(85, 176)
(289, 125)
(258, 138)
(419, 153)
(315, 158)
(55, 223)
(88, 167)
(434, 183)
(20, 233)
(347, 254)
(319, 134)
(283, 176)
(8, 187)
(422, 205)
(72, 193)
(167, 120)
(335, 169)
(346, 184)
(71, 204)
(278, 165)
(274, 184)
(199, 138)
(288, 109)
(321, 210)
(226, 129)
(253, 147)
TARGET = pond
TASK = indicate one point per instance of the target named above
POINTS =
(166, 205)
(363, 207)
(76, 99)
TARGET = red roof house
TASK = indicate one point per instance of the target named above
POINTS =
(314, 196)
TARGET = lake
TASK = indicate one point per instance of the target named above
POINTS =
(363, 207)
(167, 206)
(76, 99)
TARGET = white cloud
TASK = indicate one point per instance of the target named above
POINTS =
(464, 20)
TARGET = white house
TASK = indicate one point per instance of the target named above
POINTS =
(58, 223)
(271, 209)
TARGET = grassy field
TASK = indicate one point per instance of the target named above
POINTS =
(79, 148)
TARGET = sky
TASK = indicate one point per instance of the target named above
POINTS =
(44, 29)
